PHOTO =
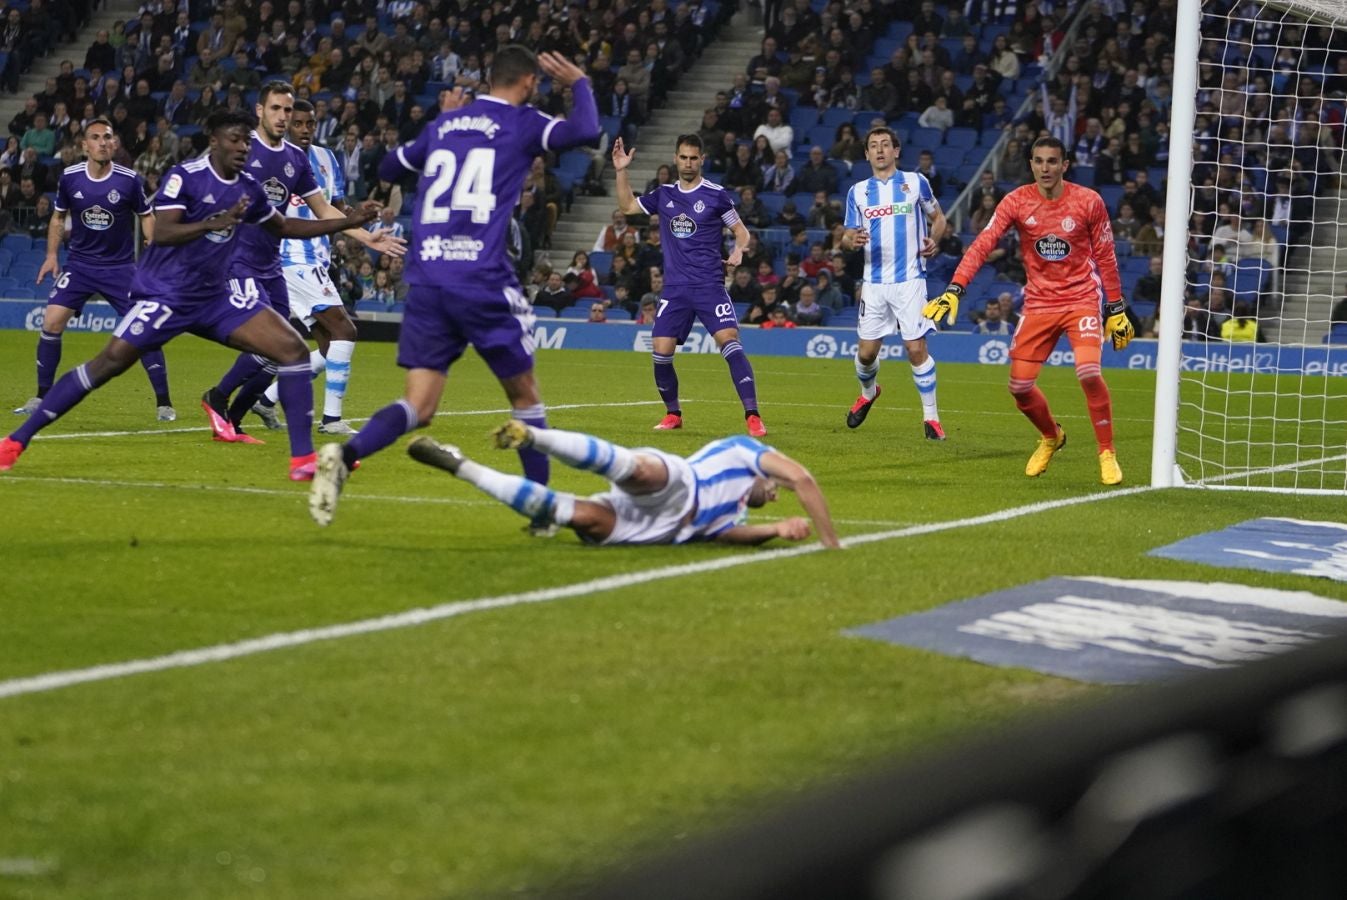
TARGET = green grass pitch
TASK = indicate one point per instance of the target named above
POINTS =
(508, 750)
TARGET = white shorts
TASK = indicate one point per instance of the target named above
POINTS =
(652, 518)
(891, 309)
(311, 291)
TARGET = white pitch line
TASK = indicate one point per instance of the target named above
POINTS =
(236, 489)
(411, 618)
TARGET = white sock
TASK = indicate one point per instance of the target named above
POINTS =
(924, 377)
(338, 374)
(528, 498)
(583, 451)
(316, 364)
(866, 375)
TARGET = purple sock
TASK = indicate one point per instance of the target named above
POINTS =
(741, 372)
(251, 392)
(297, 401)
(69, 390)
(48, 360)
(666, 381)
(537, 465)
(383, 428)
(246, 366)
(157, 369)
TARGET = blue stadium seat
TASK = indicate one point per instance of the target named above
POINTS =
(822, 135)
(1111, 193)
(948, 159)
(17, 243)
(803, 118)
(961, 137)
(578, 311)
(835, 116)
(860, 170)
(863, 118)
(927, 138)
(22, 293)
(773, 202)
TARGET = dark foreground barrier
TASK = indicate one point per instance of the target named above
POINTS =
(1226, 785)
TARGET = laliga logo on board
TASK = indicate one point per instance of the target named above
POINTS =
(33, 322)
(821, 346)
(995, 353)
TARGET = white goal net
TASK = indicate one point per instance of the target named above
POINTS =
(1259, 376)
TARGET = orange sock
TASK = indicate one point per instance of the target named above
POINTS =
(1101, 410)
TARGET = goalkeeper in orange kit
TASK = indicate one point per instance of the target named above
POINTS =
(1066, 244)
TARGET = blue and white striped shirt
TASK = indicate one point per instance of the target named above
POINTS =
(332, 181)
(894, 214)
(725, 471)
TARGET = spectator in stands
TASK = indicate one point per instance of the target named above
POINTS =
(789, 217)
(1196, 319)
(154, 158)
(637, 76)
(205, 71)
(1125, 223)
(1012, 165)
(777, 317)
(743, 169)
(828, 292)
(879, 94)
(816, 175)
(12, 154)
(654, 285)
(824, 213)
(986, 187)
(779, 178)
(983, 214)
(1004, 61)
(778, 133)
(1147, 288)
(101, 54)
(611, 235)
(598, 313)
(751, 208)
(1262, 245)
(1091, 143)
(647, 313)
(586, 278)
(808, 311)
(992, 321)
(40, 137)
(23, 119)
(1108, 167)
(1242, 327)
(553, 294)
(847, 145)
(937, 115)
(927, 169)
(1231, 232)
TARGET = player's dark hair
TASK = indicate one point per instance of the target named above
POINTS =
(302, 105)
(1049, 141)
(223, 118)
(689, 140)
(512, 63)
(880, 130)
(275, 86)
(99, 120)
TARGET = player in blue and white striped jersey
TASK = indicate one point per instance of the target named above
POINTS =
(314, 299)
(656, 497)
(896, 218)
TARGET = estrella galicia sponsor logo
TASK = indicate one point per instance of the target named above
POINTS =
(1052, 248)
(276, 192)
(821, 346)
(221, 236)
(96, 218)
(682, 226)
(996, 353)
(1119, 631)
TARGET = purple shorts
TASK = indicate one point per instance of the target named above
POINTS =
(680, 306)
(76, 285)
(439, 324)
(154, 321)
(273, 290)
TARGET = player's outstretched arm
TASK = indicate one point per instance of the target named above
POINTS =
(741, 236)
(792, 529)
(380, 240)
(795, 477)
(356, 217)
(582, 125)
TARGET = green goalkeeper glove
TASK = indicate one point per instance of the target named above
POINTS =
(947, 305)
(1118, 326)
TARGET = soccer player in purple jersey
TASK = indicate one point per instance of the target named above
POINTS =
(182, 286)
(101, 200)
(283, 170)
(656, 497)
(472, 163)
(692, 213)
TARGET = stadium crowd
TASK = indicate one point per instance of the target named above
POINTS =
(787, 134)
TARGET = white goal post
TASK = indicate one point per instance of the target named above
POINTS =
(1268, 415)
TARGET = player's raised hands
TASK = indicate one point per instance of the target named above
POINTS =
(621, 155)
(559, 68)
(453, 98)
(230, 217)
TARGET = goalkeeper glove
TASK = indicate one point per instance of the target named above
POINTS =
(947, 305)
(1118, 326)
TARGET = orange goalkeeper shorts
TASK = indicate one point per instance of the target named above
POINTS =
(1038, 331)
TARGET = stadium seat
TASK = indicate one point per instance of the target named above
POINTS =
(863, 118)
(822, 135)
(578, 311)
(948, 159)
(773, 202)
(803, 118)
(927, 138)
(835, 116)
(601, 260)
(17, 243)
(961, 137)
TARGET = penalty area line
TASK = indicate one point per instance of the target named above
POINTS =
(412, 618)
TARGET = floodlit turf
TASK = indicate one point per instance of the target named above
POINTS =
(510, 750)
